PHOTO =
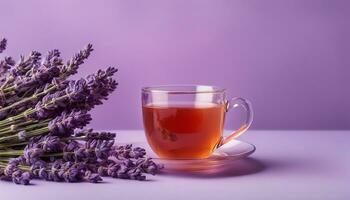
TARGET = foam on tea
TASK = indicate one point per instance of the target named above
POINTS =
(183, 130)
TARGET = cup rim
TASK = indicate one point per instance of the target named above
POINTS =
(183, 89)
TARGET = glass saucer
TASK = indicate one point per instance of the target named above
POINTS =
(222, 156)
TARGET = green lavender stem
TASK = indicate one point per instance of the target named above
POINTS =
(24, 126)
(28, 99)
(11, 153)
(32, 133)
(10, 120)
(2, 146)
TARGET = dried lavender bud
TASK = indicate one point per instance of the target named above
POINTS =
(53, 173)
(90, 134)
(41, 75)
(32, 154)
(12, 172)
(20, 177)
(52, 104)
(53, 59)
(5, 65)
(101, 148)
(92, 177)
(36, 78)
(78, 95)
(148, 166)
(71, 146)
(50, 143)
(38, 169)
(100, 85)
(3, 176)
(126, 151)
(91, 151)
(10, 169)
(121, 170)
(73, 64)
(26, 63)
(47, 143)
(69, 172)
(3, 44)
(65, 124)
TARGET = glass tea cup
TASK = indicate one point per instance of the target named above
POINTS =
(187, 121)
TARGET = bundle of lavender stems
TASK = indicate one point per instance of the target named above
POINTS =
(43, 118)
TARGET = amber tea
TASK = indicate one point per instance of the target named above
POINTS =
(184, 131)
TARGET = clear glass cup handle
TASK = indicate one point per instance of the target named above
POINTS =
(247, 106)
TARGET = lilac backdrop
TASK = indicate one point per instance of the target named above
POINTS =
(291, 58)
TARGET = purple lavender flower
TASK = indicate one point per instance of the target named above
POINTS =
(53, 58)
(42, 76)
(3, 44)
(48, 143)
(101, 148)
(100, 86)
(20, 177)
(32, 154)
(44, 73)
(73, 64)
(92, 177)
(52, 104)
(129, 168)
(90, 134)
(12, 172)
(26, 63)
(65, 124)
(5, 65)
(38, 169)
(147, 165)
(122, 170)
(82, 94)
(92, 151)
(69, 171)
(65, 171)
(126, 151)
(3, 176)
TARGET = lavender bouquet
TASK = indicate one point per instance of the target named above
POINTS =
(43, 116)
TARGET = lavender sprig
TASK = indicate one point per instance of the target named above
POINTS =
(64, 171)
(12, 172)
(65, 124)
(26, 63)
(77, 95)
(127, 151)
(39, 75)
(61, 126)
(90, 152)
(127, 169)
(88, 134)
(73, 64)
(3, 44)
(5, 65)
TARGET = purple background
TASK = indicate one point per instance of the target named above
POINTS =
(290, 58)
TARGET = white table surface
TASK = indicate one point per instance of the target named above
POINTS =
(286, 165)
